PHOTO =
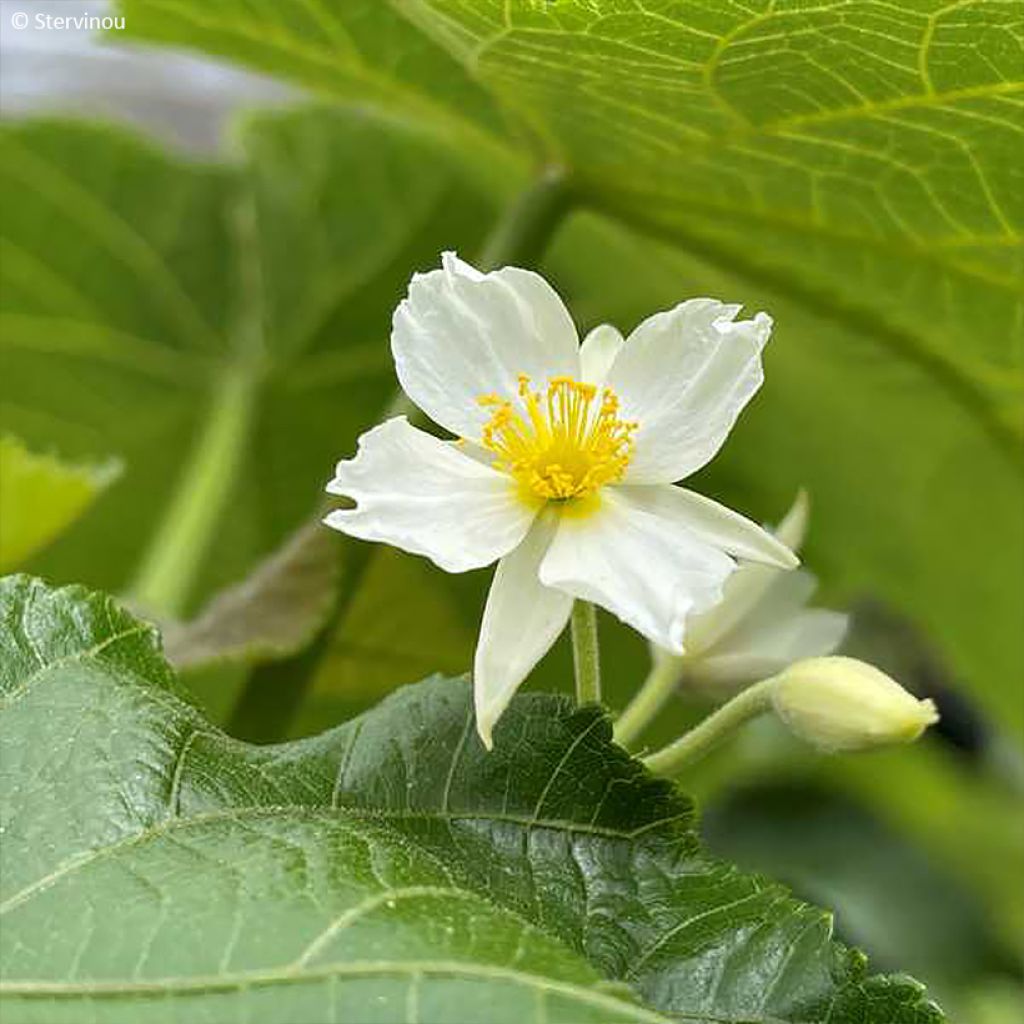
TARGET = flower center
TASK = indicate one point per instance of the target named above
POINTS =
(561, 445)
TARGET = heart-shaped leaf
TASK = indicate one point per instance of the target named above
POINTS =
(388, 869)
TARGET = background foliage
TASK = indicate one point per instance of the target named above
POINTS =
(219, 327)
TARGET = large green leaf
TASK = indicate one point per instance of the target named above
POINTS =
(389, 868)
(863, 157)
(910, 498)
(150, 304)
(853, 168)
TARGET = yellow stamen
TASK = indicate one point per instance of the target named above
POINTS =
(562, 445)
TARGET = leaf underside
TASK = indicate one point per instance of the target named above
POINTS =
(272, 613)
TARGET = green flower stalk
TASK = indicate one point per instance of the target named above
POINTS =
(835, 704)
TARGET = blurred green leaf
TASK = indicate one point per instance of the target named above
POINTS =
(404, 623)
(41, 497)
(889, 895)
(362, 52)
(391, 866)
(994, 1003)
(928, 797)
(139, 290)
(853, 169)
(912, 501)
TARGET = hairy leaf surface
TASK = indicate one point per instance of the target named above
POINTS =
(272, 613)
(387, 869)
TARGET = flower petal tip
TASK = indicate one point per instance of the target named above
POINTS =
(779, 554)
(484, 731)
(929, 712)
(335, 519)
(451, 263)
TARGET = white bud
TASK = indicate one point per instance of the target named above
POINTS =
(843, 704)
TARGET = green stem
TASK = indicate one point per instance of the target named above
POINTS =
(524, 230)
(586, 656)
(176, 553)
(660, 684)
(692, 746)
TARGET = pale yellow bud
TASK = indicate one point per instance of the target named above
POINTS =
(844, 704)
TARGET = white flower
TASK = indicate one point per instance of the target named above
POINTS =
(564, 468)
(762, 623)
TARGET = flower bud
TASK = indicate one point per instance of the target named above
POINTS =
(840, 703)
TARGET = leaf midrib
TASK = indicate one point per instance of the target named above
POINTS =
(240, 980)
(296, 971)
(173, 822)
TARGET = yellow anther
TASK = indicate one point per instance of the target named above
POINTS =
(561, 445)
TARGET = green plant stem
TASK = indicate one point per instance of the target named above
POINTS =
(691, 746)
(659, 685)
(181, 543)
(523, 232)
(586, 655)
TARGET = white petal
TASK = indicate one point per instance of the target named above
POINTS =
(785, 596)
(777, 631)
(474, 451)
(639, 561)
(460, 334)
(522, 619)
(744, 590)
(715, 524)
(598, 352)
(793, 528)
(684, 375)
(747, 588)
(807, 634)
(423, 495)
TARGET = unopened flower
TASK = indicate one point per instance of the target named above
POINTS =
(844, 704)
(564, 468)
(762, 624)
